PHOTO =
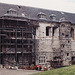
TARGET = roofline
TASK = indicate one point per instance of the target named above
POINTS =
(38, 20)
(35, 7)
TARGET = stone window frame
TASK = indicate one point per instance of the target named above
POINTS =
(67, 54)
(42, 60)
(41, 15)
(72, 33)
(12, 11)
(63, 34)
(47, 31)
(62, 25)
(54, 31)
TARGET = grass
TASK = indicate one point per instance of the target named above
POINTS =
(70, 70)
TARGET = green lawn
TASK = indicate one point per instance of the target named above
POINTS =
(70, 70)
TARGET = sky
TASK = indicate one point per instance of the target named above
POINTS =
(59, 5)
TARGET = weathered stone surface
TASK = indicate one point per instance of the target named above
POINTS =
(59, 43)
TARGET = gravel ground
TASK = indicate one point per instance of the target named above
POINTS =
(17, 72)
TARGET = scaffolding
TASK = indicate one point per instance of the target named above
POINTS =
(17, 45)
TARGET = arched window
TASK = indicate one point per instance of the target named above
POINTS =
(63, 25)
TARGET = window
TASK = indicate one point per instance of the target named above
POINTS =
(42, 59)
(42, 15)
(54, 31)
(67, 54)
(61, 52)
(12, 11)
(73, 58)
(68, 41)
(63, 34)
(63, 25)
(47, 31)
(53, 17)
(62, 45)
(66, 36)
(72, 33)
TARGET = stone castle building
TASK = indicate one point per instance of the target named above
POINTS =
(36, 36)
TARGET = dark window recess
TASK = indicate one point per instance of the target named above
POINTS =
(61, 52)
(47, 31)
(54, 30)
(66, 36)
(63, 45)
(68, 41)
(63, 34)
(67, 54)
(42, 60)
(72, 33)
(73, 58)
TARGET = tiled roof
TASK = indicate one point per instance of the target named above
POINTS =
(32, 12)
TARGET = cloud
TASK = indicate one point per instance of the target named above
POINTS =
(70, 0)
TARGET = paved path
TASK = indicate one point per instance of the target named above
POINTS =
(17, 72)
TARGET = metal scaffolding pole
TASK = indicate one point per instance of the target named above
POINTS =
(0, 47)
(16, 46)
(22, 49)
(34, 46)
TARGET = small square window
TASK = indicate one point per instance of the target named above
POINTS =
(62, 33)
(42, 59)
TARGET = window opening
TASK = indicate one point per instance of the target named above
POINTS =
(63, 34)
(54, 30)
(67, 54)
(66, 36)
(47, 31)
(41, 59)
(72, 33)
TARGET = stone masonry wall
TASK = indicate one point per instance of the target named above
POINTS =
(46, 44)
(65, 43)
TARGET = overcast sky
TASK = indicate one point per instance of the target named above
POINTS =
(60, 5)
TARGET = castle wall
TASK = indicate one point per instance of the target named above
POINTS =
(46, 44)
(58, 43)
